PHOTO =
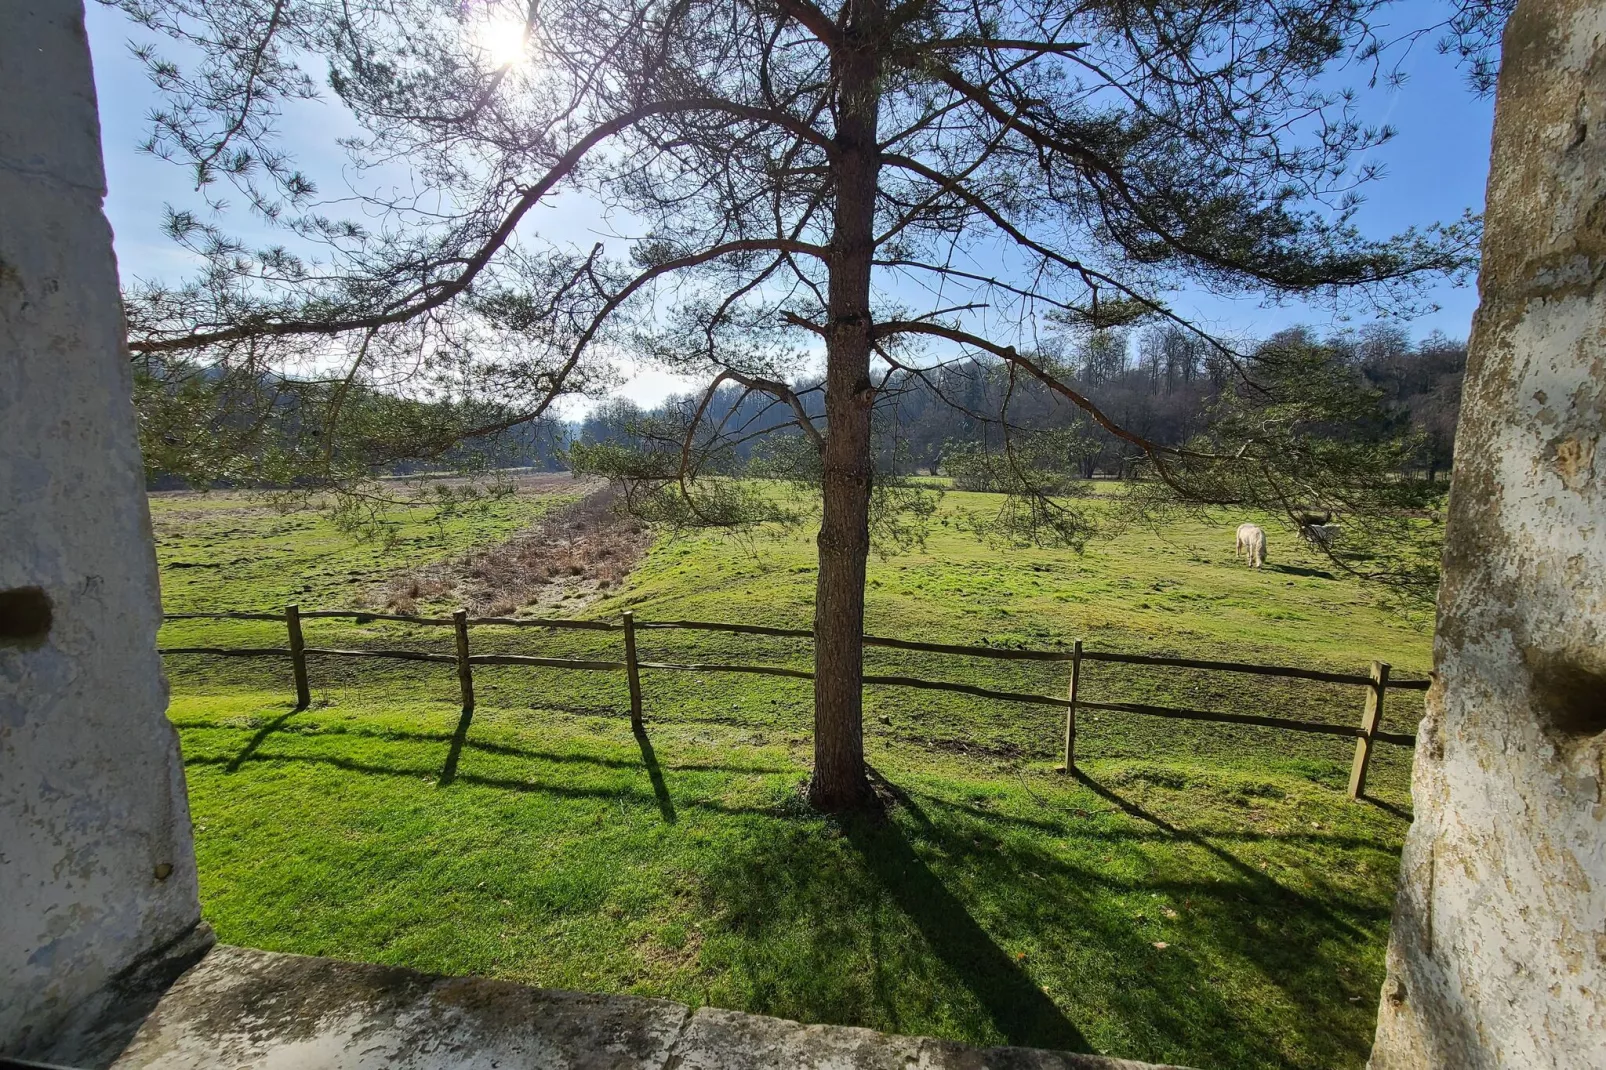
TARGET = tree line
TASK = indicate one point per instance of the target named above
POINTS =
(953, 419)
(944, 420)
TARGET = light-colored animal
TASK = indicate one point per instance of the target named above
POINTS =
(1253, 541)
(1319, 534)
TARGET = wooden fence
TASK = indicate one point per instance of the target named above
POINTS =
(1368, 733)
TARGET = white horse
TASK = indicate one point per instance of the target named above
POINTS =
(1321, 535)
(1253, 540)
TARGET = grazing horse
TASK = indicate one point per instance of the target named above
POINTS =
(1317, 529)
(1252, 540)
(1320, 535)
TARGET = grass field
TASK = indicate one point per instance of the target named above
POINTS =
(1201, 894)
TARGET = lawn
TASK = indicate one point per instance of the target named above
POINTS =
(1202, 894)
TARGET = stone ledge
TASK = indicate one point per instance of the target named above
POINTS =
(270, 1011)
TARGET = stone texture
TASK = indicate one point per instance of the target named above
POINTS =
(97, 871)
(1497, 955)
(268, 1011)
(271, 1011)
(729, 1040)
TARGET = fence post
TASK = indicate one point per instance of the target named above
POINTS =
(298, 656)
(1371, 717)
(631, 671)
(1070, 711)
(465, 672)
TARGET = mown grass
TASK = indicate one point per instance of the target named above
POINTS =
(998, 903)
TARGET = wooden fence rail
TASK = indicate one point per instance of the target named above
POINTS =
(1366, 734)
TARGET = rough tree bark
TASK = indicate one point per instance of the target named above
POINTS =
(839, 781)
(1497, 956)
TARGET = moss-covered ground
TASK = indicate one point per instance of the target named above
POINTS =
(1200, 894)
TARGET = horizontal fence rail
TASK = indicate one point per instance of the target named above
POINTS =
(757, 670)
(1227, 718)
(1367, 733)
(717, 626)
(1228, 666)
(361, 617)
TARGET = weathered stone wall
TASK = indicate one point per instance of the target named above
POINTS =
(1498, 952)
(97, 871)
(243, 1008)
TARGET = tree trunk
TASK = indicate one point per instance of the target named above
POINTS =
(839, 781)
(1496, 954)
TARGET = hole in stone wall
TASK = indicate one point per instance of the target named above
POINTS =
(24, 616)
(1573, 700)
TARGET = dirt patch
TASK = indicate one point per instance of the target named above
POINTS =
(213, 505)
(971, 749)
(523, 481)
(566, 561)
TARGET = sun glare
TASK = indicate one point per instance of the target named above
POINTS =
(502, 38)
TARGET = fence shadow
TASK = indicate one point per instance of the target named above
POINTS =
(465, 661)
(563, 790)
(259, 737)
(908, 924)
(1400, 812)
(455, 751)
(655, 773)
(1273, 890)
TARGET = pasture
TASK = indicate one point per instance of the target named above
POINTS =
(1202, 894)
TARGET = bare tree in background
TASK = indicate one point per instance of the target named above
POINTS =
(879, 182)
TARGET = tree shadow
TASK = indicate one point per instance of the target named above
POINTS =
(1288, 936)
(844, 922)
(909, 924)
(1264, 883)
(1020, 1010)
(666, 806)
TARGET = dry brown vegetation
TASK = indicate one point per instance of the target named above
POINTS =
(575, 552)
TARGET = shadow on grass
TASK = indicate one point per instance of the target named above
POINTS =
(1388, 808)
(847, 923)
(504, 750)
(921, 923)
(947, 922)
(1020, 1010)
(666, 806)
(259, 737)
(459, 737)
(1264, 884)
(1301, 943)
(1297, 570)
(416, 773)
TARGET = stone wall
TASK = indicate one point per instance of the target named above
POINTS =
(1498, 951)
(243, 1008)
(97, 871)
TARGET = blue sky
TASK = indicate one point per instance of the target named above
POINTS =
(1435, 169)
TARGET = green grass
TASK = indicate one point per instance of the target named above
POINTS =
(999, 903)
(233, 551)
